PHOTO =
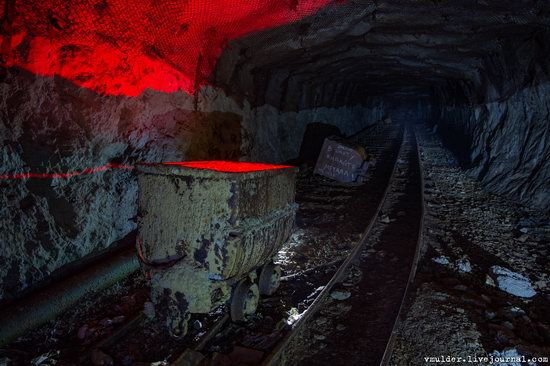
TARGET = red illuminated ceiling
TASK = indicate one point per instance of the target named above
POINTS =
(228, 166)
(121, 47)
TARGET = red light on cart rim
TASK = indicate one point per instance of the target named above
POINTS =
(228, 166)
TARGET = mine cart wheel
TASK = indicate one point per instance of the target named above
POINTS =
(270, 279)
(244, 300)
(177, 323)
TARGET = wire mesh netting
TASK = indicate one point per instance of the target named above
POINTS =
(123, 47)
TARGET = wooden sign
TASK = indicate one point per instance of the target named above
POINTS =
(341, 161)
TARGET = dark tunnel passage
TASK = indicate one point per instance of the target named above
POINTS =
(445, 102)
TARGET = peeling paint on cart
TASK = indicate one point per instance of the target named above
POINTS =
(199, 239)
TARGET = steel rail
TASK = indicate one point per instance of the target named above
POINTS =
(388, 352)
(276, 354)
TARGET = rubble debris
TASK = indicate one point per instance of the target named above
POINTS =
(46, 359)
(385, 219)
(489, 281)
(293, 316)
(541, 285)
(513, 283)
(517, 311)
(523, 238)
(441, 260)
(464, 265)
(340, 295)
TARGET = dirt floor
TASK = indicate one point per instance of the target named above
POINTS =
(482, 289)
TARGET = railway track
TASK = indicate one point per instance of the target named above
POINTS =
(277, 354)
(387, 145)
(388, 351)
(380, 144)
(380, 320)
(383, 140)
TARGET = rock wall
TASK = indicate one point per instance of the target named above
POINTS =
(508, 143)
(49, 125)
(277, 136)
(497, 121)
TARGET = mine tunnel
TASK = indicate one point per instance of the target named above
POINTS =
(264, 182)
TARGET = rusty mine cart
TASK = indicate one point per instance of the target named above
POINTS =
(208, 234)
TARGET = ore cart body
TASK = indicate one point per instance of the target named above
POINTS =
(208, 237)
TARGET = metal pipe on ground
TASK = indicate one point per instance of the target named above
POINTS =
(46, 304)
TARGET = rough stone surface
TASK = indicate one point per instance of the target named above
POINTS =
(478, 69)
(506, 144)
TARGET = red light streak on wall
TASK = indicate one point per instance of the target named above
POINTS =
(217, 165)
(121, 47)
(30, 175)
(228, 166)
